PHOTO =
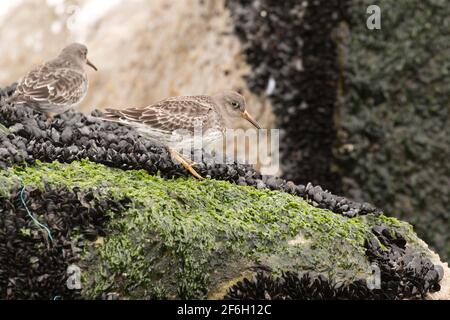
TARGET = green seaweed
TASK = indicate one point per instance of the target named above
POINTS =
(182, 237)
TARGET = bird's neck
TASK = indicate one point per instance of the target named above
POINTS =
(70, 61)
(221, 117)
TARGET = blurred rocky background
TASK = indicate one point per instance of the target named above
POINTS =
(145, 50)
(364, 113)
(393, 130)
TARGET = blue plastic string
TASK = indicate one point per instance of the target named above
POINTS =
(36, 222)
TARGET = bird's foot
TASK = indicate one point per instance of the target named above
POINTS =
(49, 116)
(186, 163)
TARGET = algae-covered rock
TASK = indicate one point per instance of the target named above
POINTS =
(135, 235)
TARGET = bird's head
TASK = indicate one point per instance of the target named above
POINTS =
(78, 51)
(233, 105)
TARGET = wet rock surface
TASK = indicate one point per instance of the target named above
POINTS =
(403, 273)
(395, 134)
(74, 136)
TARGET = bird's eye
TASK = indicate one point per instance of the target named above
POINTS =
(235, 105)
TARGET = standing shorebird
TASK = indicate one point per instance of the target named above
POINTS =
(160, 120)
(56, 85)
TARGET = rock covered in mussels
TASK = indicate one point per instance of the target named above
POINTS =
(74, 136)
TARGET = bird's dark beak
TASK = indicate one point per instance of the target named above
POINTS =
(90, 64)
(250, 119)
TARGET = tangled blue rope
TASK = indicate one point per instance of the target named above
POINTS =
(36, 222)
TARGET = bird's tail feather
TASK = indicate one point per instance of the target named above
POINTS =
(112, 113)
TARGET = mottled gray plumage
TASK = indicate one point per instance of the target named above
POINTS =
(166, 120)
(171, 114)
(56, 85)
(184, 112)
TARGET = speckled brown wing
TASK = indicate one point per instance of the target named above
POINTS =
(204, 100)
(168, 115)
(50, 89)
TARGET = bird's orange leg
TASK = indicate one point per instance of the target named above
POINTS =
(187, 164)
(49, 116)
